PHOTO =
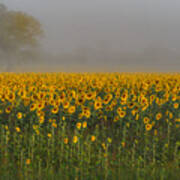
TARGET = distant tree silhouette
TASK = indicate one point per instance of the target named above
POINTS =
(19, 33)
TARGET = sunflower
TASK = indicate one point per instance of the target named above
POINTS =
(56, 103)
(28, 161)
(40, 105)
(49, 135)
(39, 113)
(158, 116)
(176, 105)
(80, 115)
(86, 113)
(62, 97)
(41, 95)
(124, 96)
(73, 94)
(97, 105)
(19, 115)
(41, 119)
(166, 96)
(123, 144)
(170, 115)
(119, 109)
(107, 99)
(32, 107)
(66, 140)
(78, 125)
(137, 117)
(117, 94)
(54, 125)
(116, 118)
(109, 140)
(18, 129)
(22, 93)
(3, 97)
(75, 139)
(174, 97)
(89, 96)
(10, 97)
(93, 138)
(152, 98)
(130, 105)
(122, 114)
(146, 120)
(71, 109)
(66, 104)
(155, 132)
(34, 97)
(55, 110)
(8, 109)
(104, 146)
(158, 88)
(148, 127)
(26, 101)
(133, 112)
(84, 125)
(145, 107)
(144, 101)
(80, 100)
(6, 127)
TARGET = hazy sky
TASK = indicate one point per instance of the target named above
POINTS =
(104, 28)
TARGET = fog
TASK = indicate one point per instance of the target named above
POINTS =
(106, 35)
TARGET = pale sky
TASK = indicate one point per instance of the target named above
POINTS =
(104, 28)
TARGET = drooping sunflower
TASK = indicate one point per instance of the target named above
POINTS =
(78, 125)
(176, 105)
(75, 139)
(66, 140)
(93, 138)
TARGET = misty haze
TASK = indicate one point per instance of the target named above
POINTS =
(90, 89)
(102, 35)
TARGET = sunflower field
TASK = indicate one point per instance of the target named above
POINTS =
(89, 126)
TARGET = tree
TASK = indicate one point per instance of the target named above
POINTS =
(19, 33)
